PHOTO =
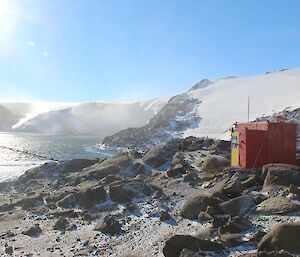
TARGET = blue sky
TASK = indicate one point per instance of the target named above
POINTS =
(84, 50)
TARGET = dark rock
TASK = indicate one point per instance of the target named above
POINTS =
(77, 165)
(240, 205)
(235, 225)
(204, 217)
(89, 217)
(280, 175)
(178, 158)
(278, 205)
(65, 213)
(177, 243)
(191, 177)
(122, 160)
(138, 167)
(31, 202)
(110, 179)
(34, 231)
(157, 156)
(69, 201)
(231, 240)
(124, 191)
(294, 190)
(213, 211)
(109, 225)
(252, 180)
(194, 205)
(178, 169)
(87, 198)
(220, 220)
(61, 224)
(205, 233)
(257, 236)
(230, 187)
(9, 250)
(214, 163)
(284, 236)
(100, 171)
(164, 215)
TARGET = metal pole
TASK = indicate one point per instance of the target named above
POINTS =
(248, 108)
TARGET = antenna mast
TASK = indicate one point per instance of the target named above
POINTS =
(248, 108)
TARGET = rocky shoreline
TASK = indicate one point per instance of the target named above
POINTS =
(179, 199)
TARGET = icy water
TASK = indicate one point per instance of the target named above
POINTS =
(20, 152)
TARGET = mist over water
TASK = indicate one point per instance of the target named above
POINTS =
(20, 151)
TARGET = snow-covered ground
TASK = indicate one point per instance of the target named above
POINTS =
(225, 101)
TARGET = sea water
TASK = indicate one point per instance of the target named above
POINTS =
(21, 151)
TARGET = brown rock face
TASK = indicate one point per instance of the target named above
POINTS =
(199, 203)
(278, 205)
(280, 175)
(177, 243)
(285, 236)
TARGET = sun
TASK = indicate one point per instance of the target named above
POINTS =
(8, 26)
(4, 7)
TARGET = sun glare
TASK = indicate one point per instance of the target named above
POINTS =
(3, 6)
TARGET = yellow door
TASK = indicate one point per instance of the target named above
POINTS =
(235, 160)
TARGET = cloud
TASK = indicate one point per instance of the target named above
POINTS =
(31, 43)
(46, 54)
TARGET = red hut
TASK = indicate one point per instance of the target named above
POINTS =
(255, 144)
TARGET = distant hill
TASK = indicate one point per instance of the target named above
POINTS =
(211, 107)
(7, 119)
(94, 118)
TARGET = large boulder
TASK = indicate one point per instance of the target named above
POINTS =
(198, 203)
(278, 205)
(109, 225)
(122, 160)
(240, 205)
(178, 169)
(280, 175)
(100, 171)
(88, 197)
(174, 246)
(157, 156)
(284, 236)
(33, 231)
(62, 224)
(76, 165)
(214, 163)
(231, 187)
(29, 202)
(125, 190)
(235, 225)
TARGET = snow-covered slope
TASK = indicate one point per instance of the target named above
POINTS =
(29, 110)
(214, 106)
(98, 118)
(225, 101)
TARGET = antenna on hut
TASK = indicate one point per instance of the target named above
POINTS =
(248, 108)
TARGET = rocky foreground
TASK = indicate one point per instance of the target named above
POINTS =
(180, 199)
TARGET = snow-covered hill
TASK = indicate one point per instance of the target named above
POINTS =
(98, 118)
(7, 118)
(215, 106)
(29, 110)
